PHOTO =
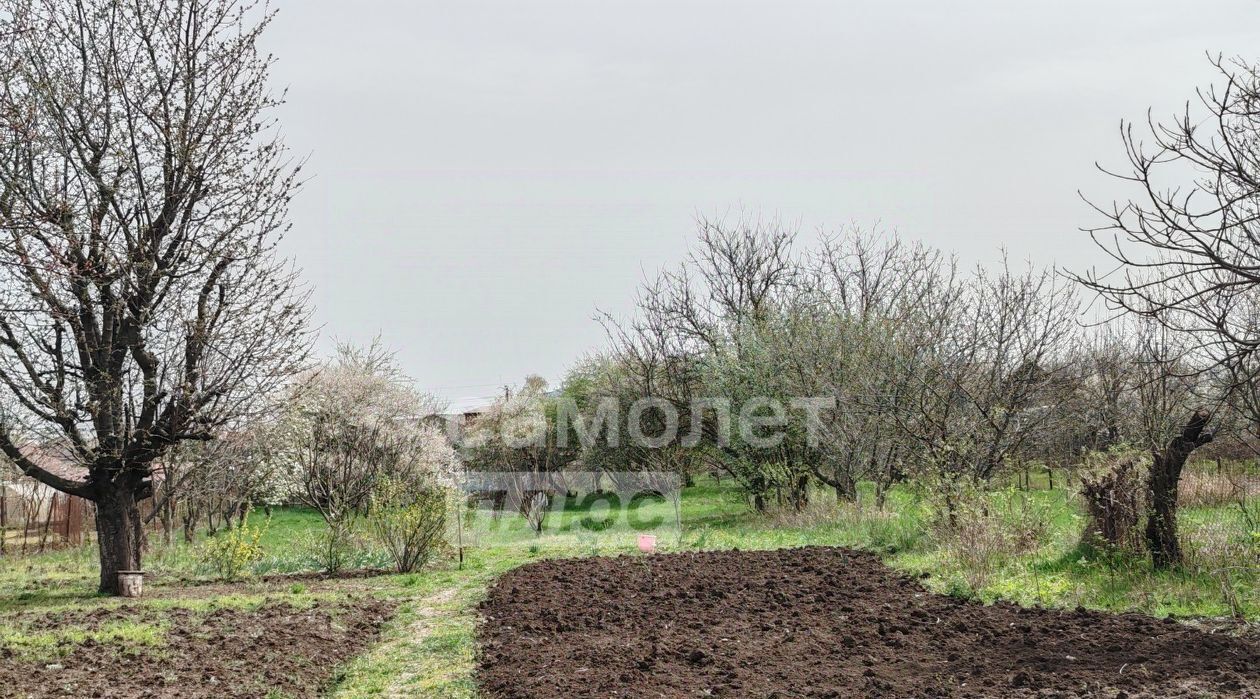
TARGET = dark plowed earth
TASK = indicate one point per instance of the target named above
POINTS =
(821, 622)
(276, 650)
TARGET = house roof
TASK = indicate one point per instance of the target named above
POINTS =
(54, 460)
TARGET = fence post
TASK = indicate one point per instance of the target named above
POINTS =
(74, 522)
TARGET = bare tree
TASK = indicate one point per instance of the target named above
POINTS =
(143, 187)
(216, 482)
(1188, 244)
(1188, 249)
(989, 357)
(1110, 363)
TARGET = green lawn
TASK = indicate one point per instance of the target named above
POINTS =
(1024, 547)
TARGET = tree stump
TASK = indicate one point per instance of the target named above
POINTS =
(130, 583)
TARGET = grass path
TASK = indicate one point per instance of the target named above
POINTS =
(429, 649)
(436, 617)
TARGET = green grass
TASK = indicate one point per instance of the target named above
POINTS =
(29, 643)
(428, 649)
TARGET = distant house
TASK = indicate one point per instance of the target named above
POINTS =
(32, 513)
(456, 419)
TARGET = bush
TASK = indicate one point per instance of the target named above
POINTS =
(408, 520)
(979, 545)
(989, 531)
(334, 548)
(1115, 494)
(231, 553)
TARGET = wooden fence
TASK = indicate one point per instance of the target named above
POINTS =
(38, 523)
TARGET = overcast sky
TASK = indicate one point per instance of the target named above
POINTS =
(487, 174)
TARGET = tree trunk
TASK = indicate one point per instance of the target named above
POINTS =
(800, 493)
(167, 519)
(120, 535)
(951, 507)
(845, 487)
(759, 502)
(190, 518)
(1161, 522)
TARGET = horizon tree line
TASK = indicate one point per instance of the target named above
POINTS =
(144, 187)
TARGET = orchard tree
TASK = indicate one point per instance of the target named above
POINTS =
(698, 326)
(519, 439)
(988, 356)
(218, 482)
(872, 293)
(143, 189)
(352, 427)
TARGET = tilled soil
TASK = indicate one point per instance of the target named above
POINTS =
(276, 650)
(821, 622)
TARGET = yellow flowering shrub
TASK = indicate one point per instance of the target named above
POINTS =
(231, 553)
(408, 519)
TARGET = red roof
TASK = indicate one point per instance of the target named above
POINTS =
(55, 461)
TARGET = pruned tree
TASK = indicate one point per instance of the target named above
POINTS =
(143, 188)
(1188, 248)
(1161, 521)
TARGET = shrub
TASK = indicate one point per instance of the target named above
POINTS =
(989, 531)
(231, 553)
(1113, 488)
(333, 548)
(978, 545)
(1028, 518)
(408, 520)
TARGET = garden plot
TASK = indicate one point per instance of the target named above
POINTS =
(273, 649)
(821, 622)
